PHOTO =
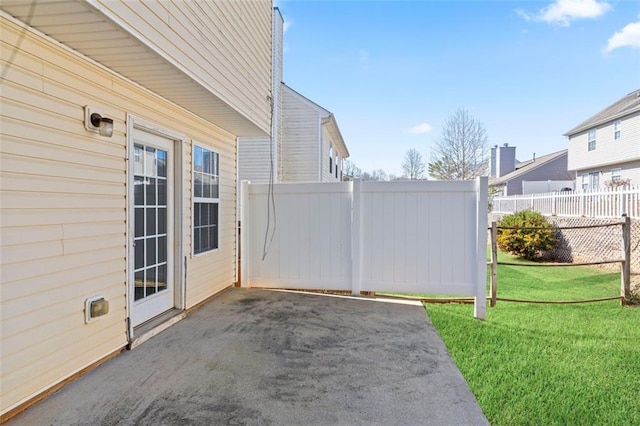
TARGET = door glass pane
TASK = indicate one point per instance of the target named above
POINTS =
(150, 166)
(151, 221)
(150, 288)
(150, 190)
(162, 192)
(137, 159)
(139, 285)
(139, 222)
(162, 163)
(151, 251)
(138, 190)
(162, 277)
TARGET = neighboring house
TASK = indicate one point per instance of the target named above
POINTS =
(606, 147)
(510, 177)
(305, 143)
(119, 123)
(313, 149)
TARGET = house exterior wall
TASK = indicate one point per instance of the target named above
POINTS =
(608, 152)
(328, 145)
(629, 170)
(223, 45)
(64, 209)
(253, 159)
(553, 170)
(301, 129)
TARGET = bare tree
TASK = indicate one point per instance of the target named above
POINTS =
(461, 153)
(351, 170)
(413, 165)
(379, 175)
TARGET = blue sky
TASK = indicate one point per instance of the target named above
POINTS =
(393, 71)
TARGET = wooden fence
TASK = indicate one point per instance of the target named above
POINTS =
(400, 237)
(624, 261)
(602, 203)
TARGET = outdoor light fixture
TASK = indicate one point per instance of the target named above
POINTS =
(95, 122)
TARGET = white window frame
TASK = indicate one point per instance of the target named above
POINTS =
(616, 174)
(585, 181)
(591, 140)
(617, 125)
(200, 200)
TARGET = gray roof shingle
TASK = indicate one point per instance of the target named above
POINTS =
(625, 106)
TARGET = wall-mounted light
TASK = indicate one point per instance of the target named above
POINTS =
(95, 122)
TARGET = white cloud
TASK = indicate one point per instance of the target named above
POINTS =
(629, 36)
(287, 24)
(562, 12)
(420, 128)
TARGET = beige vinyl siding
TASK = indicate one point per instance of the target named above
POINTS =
(629, 170)
(63, 210)
(223, 45)
(254, 159)
(608, 150)
(301, 139)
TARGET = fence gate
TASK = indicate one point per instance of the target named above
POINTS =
(404, 237)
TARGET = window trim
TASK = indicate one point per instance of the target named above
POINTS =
(616, 174)
(194, 199)
(617, 130)
(591, 140)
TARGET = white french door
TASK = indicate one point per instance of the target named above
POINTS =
(152, 286)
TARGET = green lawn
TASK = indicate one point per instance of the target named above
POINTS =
(532, 364)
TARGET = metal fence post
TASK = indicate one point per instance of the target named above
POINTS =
(625, 274)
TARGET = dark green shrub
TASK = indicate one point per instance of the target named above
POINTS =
(526, 243)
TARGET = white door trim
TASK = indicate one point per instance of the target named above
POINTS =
(179, 277)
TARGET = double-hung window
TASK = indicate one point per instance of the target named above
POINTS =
(206, 201)
(591, 138)
(616, 129)
(616, 175)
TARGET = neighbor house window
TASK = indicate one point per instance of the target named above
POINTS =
(206, 201)
(585, 181)
(337, 165)
(616, 129)
(592, 139)
(594, 180)
(616, 175)
(330, 160)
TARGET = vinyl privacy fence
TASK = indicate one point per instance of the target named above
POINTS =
(402, 237)
(604, 203)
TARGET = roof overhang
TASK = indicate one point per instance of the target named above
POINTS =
(334, 131)
(84, 28)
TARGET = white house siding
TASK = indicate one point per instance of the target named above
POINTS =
(608, 151)
(301, 135)
(554, 168)
(629, 170)
(254, 159)
(327, 143)
(63, 211)
(224, 45)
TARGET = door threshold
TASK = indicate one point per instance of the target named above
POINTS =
(150, 328)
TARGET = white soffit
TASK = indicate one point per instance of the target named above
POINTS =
(84, 29)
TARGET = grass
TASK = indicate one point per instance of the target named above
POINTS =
(531, 364)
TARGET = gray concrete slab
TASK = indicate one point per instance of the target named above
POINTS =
(263, 357)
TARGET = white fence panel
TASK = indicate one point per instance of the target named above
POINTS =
(403, 237)
(417, 238)
(601, 203)
(308, 240)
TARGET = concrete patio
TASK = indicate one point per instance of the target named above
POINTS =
(262, 357)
